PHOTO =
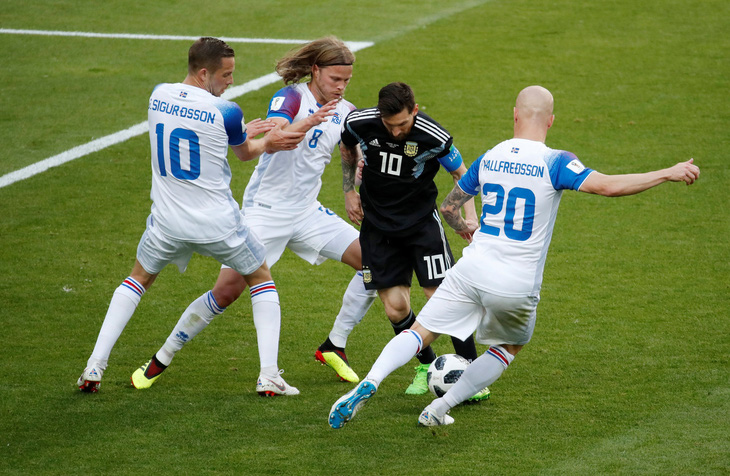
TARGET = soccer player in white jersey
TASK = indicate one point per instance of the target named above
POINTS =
(280, 203)
(495, 287)
(193, 209)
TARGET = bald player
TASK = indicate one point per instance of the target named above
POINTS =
(495, 287)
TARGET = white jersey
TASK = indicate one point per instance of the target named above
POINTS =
(290, 180)
(521, 183)
(190, 131)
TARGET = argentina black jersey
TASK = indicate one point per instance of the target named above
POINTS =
(397, 188)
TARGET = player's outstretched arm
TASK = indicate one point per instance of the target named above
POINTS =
(274, 140)
(350, 157)
(630, 184)
(451, 210)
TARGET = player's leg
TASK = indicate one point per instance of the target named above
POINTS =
(154, 252)
(196, 317)
(397, 303)
(430, 257)
(505, 320)
(320, 235)
(398, 352)
(355, 304)
(228, 287)
(466, 348)
(267, 318)
(275, 231)
(121, 308)
(480, 374)
(240, 253)
(444, 313)
(388, 268)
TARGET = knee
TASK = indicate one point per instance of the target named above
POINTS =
(226, 293)
(396, 312)
(511, 348)
(353, 256)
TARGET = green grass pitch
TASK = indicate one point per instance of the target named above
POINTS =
(628, 370)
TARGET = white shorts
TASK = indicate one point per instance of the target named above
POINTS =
(458, 309)
(242, 250)
(315, 235)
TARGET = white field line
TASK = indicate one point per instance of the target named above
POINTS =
(141, 128)
(353, 45)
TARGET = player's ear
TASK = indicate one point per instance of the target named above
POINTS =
(203, 74)
(415, 110)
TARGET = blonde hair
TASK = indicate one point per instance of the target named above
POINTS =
(327, 51)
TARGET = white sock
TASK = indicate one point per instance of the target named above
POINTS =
(398, 352)
(196, 317)
(355, 304)
(123, 304)
(481, 373)
(267, 319)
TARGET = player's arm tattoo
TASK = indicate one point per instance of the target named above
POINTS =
(350, 156)
(451, 208)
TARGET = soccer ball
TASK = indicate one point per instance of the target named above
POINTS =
(444, 372)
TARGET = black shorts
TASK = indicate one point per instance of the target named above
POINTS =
(389, 259)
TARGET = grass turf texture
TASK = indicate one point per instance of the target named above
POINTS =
(628, 369)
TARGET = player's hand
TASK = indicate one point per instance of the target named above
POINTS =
(277, 139)
(468, 233)
(686, 172)
(322, 114)
(259, 126)
(353, 205)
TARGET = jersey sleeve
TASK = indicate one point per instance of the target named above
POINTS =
(452, 160)
(348, 136)
(285, 104)
(469, 182)
(233, 122)
(566, 171)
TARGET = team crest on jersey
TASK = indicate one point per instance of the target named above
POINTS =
(411, 149)
(336, 119)
(367, 276)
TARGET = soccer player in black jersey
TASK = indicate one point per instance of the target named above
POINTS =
(401, 231)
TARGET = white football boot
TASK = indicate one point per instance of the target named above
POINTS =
(90, 380)
(429, 417)
(271, 387)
